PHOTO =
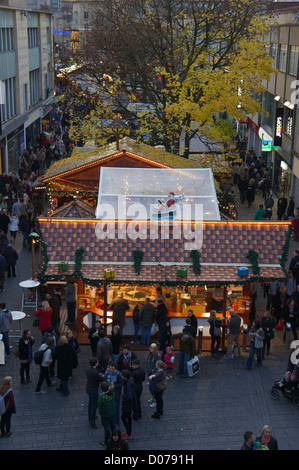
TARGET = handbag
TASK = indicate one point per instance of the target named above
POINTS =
(279, 326)
(17, 352)
(162, 385)
(35, 323)
(217, 330)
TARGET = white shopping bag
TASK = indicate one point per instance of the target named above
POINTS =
(193, 366)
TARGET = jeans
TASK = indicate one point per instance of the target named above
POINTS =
(108, 425)
(251, 355)
(11, 270)
(6, 421)
(25, 369)
(214, 349)
(126, 418)
(183, 359)
(159, 402)
(92, 405)
(146, 334)
(136, 329)
(43, 375)
(25, 238)
(63, 387)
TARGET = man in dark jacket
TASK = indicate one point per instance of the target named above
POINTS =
(119, 307)
(147, 318)
(186, 352)
(294, 266)
(93, 380)
(161, 316)
(138, 375)
(11, 257)
(65, 355)
(4, 221)
(125, 359)
(25, 227)
(104, 351)
(2, 272)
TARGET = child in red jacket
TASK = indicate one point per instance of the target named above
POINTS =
(169, 359)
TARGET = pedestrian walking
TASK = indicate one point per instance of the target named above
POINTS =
(44, 367)
(11, 257)
(25, 355)
(2, 272)
(268, 325)
(10, 407)
(114, 379)
(14, 226)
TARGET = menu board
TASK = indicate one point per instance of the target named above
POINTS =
(243, 305)
(84, 301)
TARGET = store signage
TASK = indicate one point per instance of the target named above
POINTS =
(266, 145)
(278, 127)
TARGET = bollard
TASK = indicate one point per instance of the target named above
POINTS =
(288, 330)
(200, 332)
(245, 330)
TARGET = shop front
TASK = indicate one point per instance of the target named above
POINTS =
(282, 175)
(207, 277)
(15, 147)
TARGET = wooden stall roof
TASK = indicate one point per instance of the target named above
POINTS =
(76, 209)
(225, 247)
(83, 158)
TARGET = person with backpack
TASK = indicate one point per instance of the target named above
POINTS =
(45, 348)
(7, 406)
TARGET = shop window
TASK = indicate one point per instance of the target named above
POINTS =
(34, 86)
(6, 39)
(282, 57)
(274, 54)
(32, 37)
(293, 60)
(9, 105)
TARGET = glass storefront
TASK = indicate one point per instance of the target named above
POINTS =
(282, 176)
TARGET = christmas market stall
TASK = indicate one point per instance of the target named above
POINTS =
(209, 265)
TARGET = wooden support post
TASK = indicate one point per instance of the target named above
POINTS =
(224, 314)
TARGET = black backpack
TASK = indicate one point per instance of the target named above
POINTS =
(38, 356)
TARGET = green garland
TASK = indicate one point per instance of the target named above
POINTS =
(78, 263)
(195, 260)
(285, 251)
(138, 257)
(253, 258)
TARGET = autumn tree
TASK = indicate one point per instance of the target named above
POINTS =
(191, 60)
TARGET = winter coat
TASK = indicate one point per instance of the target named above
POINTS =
(64, 355)
(14, 224)
(26, 350)
(128, 396)
(44, 317)
(186, 347)
(168, 359)
(104, 349)
(151, 363)
(161, 314)
(147, 315)
(5, 320)
(11, 256)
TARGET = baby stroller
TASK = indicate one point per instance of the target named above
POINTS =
(289, 390)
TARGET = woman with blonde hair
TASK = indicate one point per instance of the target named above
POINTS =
(10, 407)
(44, 315)
(65, 355)
(266, 438)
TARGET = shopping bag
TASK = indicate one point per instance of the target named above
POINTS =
(193, 366)
(279, 326)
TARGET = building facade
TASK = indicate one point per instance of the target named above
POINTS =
(26, 78)
(274, 134)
